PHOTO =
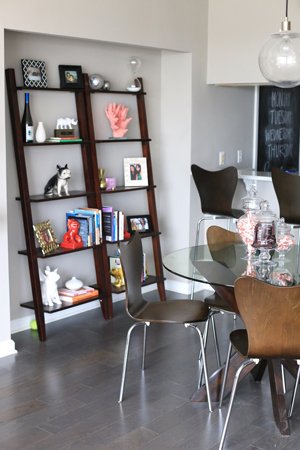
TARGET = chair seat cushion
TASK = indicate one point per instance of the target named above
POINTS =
(216, 302)
(239, 340)
(174, 311)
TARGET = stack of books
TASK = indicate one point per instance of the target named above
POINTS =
(76, 296)
(112, 224)
(64, 139)
(90, 220)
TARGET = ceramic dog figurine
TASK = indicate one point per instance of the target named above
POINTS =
(58, 183)
(49, 286)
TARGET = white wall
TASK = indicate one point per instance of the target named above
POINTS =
(160, 26)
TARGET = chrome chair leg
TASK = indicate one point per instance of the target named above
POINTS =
(294, 391)
(225, 374)
(283, 379)
(196, 243)
(215, 336)
(146, 324)
(126, 358)
(235, 383)
(203, 362)
(205, 335)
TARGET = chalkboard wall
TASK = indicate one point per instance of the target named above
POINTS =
(278, 130)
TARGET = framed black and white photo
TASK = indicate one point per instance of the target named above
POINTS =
(135, 172)
(141, 223)
(34, 73)
(70, 76)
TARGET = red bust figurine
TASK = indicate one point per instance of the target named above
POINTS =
(71, 237)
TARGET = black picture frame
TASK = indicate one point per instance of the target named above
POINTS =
(34, 73)
(70, 76)
(141, 223)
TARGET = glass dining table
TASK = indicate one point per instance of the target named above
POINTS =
(219, 266)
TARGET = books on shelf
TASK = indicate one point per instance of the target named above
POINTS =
(112, 224)
(64, 139)
(75, 296)
(90, 224)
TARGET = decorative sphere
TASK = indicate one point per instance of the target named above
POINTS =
(33, 325)
(96, 81)
(106, 85)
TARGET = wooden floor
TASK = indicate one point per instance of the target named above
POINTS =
(62, 394)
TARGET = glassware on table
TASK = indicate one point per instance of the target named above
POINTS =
(281, 276)
(246, 223)
(265, 240)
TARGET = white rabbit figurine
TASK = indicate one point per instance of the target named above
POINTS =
(49, 287)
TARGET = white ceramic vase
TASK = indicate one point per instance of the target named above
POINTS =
(40, 135)
(73, 284)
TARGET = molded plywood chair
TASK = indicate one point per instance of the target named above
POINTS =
(216, 190)
(287, 189)
(144, 313)
(271, 315)
(218, 239)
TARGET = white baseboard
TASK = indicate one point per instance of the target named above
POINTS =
(7, 348)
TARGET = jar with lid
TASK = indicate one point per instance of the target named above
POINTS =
(281, 276)
(246, 223)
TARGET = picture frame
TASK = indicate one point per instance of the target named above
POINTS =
(34, 73)
(135, 172)
(45, 237)
(141, 223)
(70, 76)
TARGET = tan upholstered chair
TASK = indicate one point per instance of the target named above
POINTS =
(271, 315)
(142, 312)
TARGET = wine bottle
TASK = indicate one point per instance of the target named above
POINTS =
(27, 124)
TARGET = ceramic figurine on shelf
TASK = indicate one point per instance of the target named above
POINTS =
(117, 116)
(102, 181)
(65, 122)
(71, 238)
(49, 287)
(59, 182)
(117, 273)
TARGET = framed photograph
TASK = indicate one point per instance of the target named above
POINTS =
(135, 172)
(46, 237)
(142, 224)
(34, 73)
(70, 76)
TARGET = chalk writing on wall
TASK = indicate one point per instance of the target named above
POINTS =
(278, 129)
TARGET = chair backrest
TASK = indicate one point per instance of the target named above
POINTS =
(271, 315)
(131, 255)
(216, 189)
(287, 189)
(218, 236)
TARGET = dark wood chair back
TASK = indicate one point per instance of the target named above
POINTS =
(287, 189)
(271, 315)
(216, 189)
(131, 255)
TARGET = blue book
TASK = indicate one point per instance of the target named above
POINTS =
(93, 214)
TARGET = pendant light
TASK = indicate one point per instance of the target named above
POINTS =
(279, 58)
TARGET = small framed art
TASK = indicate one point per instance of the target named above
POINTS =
(46, 237)
(135, 172)
(34, 73)
(141, 223)
(70, 76)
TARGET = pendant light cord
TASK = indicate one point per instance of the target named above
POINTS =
(286, 8)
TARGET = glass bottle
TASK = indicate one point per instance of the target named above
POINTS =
(27, 123)
(246, 223)
(134, 84)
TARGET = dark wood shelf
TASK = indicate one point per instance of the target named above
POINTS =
(116, 140)
(99, 91)
(43, 144)
(42, 198)
(127, 189)
(58, 252)
(151, 279)
(50, 89)
(57, 308)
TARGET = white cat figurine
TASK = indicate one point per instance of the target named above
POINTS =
(49, 287)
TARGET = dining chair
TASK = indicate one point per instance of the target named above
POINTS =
(219, 239)
(271, 315)
(185, 312)
(216, 191)
(287, 190)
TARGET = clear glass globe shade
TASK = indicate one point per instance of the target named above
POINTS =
(134, 84)
(279, 59)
